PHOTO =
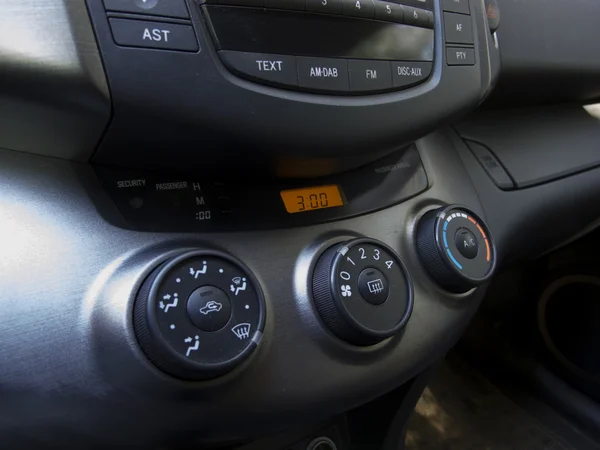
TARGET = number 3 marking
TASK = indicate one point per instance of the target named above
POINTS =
(376, 255)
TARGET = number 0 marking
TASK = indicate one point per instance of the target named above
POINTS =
(345, 275)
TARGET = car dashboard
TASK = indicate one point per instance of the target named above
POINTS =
(224, 221)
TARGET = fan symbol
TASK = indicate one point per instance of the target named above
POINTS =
(346, 291)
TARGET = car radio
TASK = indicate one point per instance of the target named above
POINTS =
(344, 47)
(260, 85)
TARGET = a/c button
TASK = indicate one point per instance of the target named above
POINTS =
(280, 69)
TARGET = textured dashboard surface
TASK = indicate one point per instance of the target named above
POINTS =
(54, 97)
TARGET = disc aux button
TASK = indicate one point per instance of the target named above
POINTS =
(408, 73)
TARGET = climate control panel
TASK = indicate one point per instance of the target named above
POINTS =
(202, 313)
(199, 315)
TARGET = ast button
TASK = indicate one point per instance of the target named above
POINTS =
(369, 75)
(466, 243)
(323, 73)
(408, 73)
(171, 8)
(460, 56)
(167, 36)
(458, 28)
(279, 69)
(373, 286)
(209, 308)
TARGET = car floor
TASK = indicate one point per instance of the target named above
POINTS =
(461, 409)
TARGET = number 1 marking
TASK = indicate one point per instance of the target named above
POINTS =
(352, 262)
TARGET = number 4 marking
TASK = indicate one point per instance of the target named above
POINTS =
(389, 264)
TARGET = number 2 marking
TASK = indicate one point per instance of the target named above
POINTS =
(376, 255)
(362, 253)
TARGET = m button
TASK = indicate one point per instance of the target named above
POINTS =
(278, 69)
(406, 73)
(370, 75)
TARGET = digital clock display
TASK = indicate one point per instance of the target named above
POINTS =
(312, 198)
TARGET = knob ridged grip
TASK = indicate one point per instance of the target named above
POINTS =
(325, 303)
(456, 248)
(362, 291)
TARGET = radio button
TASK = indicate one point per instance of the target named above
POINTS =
(171, 8)
(296, 5)
(418, 17)
(359, 8)
(456, 56)
(457, 6)
(159, 35)
(406, 73)
(458, 28)
(325, 74)
(369, 75)
(324, 6)
(259, 3)
(390, 12)
(280, 69)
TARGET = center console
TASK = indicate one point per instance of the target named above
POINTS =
(263, 239)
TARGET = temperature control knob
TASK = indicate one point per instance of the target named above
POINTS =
(456, 248)
(362, 291)
(199, 315)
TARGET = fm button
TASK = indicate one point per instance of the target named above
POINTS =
(369, 75)
(277, 69)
